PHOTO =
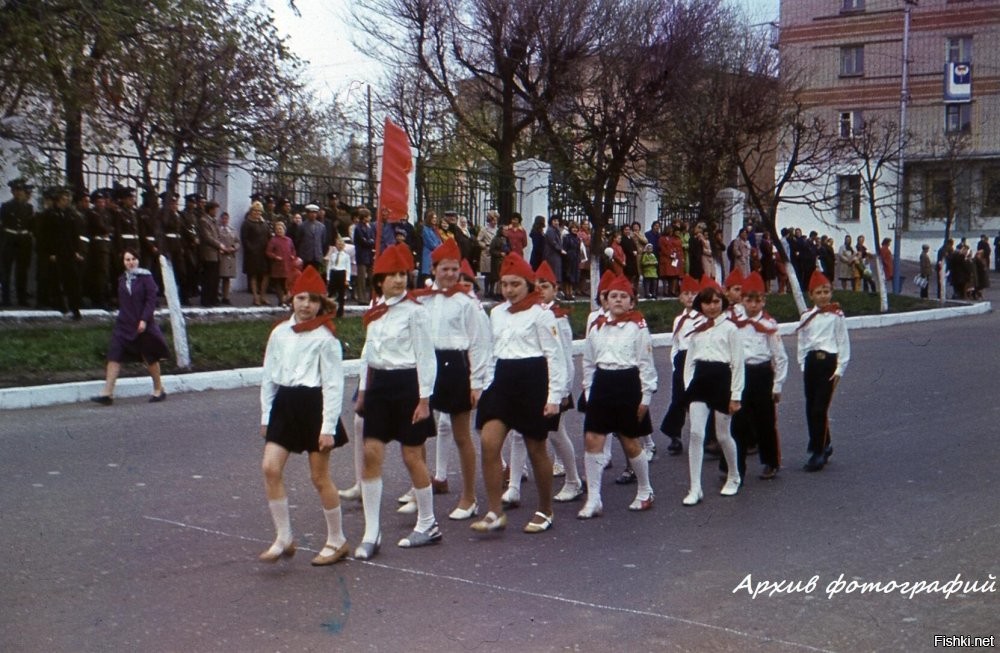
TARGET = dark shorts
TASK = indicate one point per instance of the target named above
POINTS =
(452, 387)
(146, 347)
(390, 399)
(710, 385)
(517, 397)
(615, 396)
(296, 420)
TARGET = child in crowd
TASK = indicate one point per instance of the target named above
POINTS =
(649, 266)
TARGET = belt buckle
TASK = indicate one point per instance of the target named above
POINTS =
(821, 355)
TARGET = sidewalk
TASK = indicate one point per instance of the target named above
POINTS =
(81, 391)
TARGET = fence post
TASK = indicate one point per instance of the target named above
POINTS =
(533, 177)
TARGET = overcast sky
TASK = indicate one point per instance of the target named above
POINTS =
(323, 36)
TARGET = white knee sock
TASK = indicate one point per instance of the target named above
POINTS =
(726, 443)
(334, 527)
(359, 448)
(518, 456)
(607, 448)
(696, 447)
(371, 498)
(566, 453)
(445, 438)
(641, 468)
(647, 442)
(593, 467)
(282, 521)
(425, 508)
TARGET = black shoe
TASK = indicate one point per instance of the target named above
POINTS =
(827, 453)
(712, 450)
(104, 400)
(768, 473)
(814, 464)
(676, 447)
(77, 316)
(155, 399)
(626, 478)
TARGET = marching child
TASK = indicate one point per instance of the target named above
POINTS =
(673, 421)
(713, 378)
(526, 379)
(766, 368)
(565, 454)
(397, 375)
(301, 393)
(824, 351)
(619, 379)
(461, 351)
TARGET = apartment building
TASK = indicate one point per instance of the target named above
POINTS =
(850, 57)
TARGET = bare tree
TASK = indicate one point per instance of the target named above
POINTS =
(472, 52)
(604, 79)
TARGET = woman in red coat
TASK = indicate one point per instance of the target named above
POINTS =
(671, 261)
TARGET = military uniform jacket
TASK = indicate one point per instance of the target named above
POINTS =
(16, 218)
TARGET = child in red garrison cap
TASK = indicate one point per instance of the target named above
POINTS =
(824, 351)
(301, 393)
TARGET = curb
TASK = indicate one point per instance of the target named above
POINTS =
(81, 391)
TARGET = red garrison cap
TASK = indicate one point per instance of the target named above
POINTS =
(622, 284)
(397, 258)
(466, 270)
(517, 266)
(446, 250)
(545, 273)
(818, 279)
(690, 284)
(753, 283)
(309, 281)
(606, 279)
(735, 278)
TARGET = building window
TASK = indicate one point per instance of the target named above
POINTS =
(853, 5)
(959, 49)
(958, 118)
(991, 191)
(852, 61)
(851, 123)
(849, 198)
(937, 203)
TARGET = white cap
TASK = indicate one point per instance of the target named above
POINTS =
(312, 207)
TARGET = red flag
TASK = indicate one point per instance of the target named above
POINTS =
(394, 189)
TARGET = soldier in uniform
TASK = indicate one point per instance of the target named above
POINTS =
(59, 258)
(172, 224)
(191, 217)
(100, 230)
(150, 236)
(16, 224)
(126, 226)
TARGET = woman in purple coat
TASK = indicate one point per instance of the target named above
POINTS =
(135, 334)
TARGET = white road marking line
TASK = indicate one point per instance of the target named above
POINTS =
(514, 590)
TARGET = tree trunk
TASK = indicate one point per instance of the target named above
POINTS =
(73, 142)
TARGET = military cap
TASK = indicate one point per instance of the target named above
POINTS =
(20, 184)
(55, 192)
(193, 197)
(99, 194)
(211, 204)
(284, 200)
(332, 195)
(168, 195)
(124, 191)
(256, 197)
(81, 193)
(311, 207)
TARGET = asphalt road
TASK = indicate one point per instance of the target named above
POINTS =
(136, 528)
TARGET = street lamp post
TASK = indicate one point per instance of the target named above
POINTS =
(904, 98)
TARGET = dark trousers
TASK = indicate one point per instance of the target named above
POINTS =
(209, 283)
(673, 421)
(755, 422)
(819, 367)
(62, 284)
(337, 287)
(15, 259)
